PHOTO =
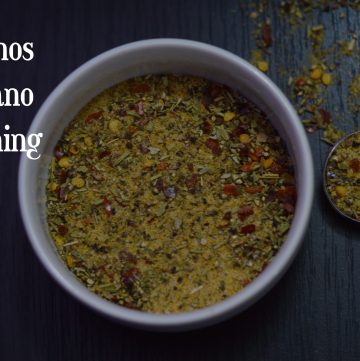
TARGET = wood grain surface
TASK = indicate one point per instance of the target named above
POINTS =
(312, 314)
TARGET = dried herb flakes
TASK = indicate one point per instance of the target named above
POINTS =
(178, 194)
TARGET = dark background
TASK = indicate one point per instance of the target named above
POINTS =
(312, 314)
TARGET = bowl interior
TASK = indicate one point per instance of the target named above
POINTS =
(161, 56)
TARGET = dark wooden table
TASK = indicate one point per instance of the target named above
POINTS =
(312, 314)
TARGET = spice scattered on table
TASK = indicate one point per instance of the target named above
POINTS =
(310, 85)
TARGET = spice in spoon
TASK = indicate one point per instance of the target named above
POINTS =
(342, 176)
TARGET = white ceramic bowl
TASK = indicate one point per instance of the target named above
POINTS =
(162, 56)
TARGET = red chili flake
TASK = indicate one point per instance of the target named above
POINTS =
(215, 90)
(276, 168)
(159, 185)
(250, 228)
(103, 269)
(325, 115)
(191, 183)
(231, 190)
(147, 260)
(190, 167)
(140, 88)
(300, 82)
(129, 276)
(245, 211)
(267, 35)
(254, 189)
(207, 127)
(227, 216)
(244, 282)
(63, 175)
(104, 154)
(247, 167)
(62, 230)
(213, 145)
(127, 256)
(140, 107)
(94, 116)
(235, 133)
(288, 179)
(244, 152)
(58, 153)
(115, 299)
(151, 220)
(287, 194)
(264, 265)
(257, 154)
(87, 221)
(132, 130)
(223, 224)
(129, 305)
(355, 165)
(289, 208)
(107, 206)
(162, 166)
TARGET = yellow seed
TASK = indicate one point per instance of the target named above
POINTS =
(148, 163)
(74, 150)
(64, 162)
(53, 186)
(70, 260)
(132, 129)
(59, 240)
(316, 74)
(326, 79)
(340, 191)
(263, 65)
(114, 125)
(267, 163)
(229, 116)
(244, 138)
(78, 182)
(88, 141)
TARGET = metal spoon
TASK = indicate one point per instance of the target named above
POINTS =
(327, 174)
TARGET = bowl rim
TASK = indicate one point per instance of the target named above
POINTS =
(228, 307)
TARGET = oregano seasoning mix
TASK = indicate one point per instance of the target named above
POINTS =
(342, 176)
(169, 193)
